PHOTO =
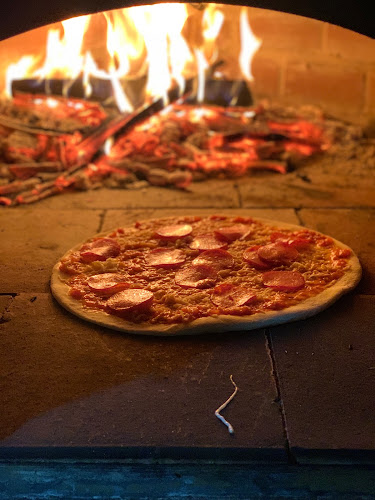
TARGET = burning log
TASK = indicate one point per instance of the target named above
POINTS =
(41, 114)
(10, 124)
(83, 113)
(18, 186)
(87, 149)
(26, 170)
(5, 201)
(101, 90)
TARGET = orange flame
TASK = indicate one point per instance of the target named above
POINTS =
(63, 54)
(249, 45)
(142, 41)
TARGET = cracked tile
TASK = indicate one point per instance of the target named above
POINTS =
(326, 372)
(84, 385)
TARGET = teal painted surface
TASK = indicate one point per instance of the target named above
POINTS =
(107, 481)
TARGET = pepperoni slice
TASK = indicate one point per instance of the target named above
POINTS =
(277, 253)
(299, 243)
(100, 249)
(207, 241)
(174, 231)
(196, 276)
(287, 281)
(165, 257)
(228, 295)
(218, 259)
(130, 300)
(107, 283)
(278, 236)
(250, 255)
(232, 233)
(294, 241)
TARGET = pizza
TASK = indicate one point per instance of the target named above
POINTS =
(189, 274)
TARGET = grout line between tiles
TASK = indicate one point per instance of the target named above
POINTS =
(4, 314)
(101, 220)
(291, 459)
(297, 212)
(239, 195)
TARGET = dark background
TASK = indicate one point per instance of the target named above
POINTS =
(21, 15)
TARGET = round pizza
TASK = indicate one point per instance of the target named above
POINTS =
(189, 274)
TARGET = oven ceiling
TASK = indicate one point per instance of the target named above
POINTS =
(21, 15)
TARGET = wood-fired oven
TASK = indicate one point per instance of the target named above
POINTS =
(71, 389)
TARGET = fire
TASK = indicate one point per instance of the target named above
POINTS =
(63, 54)
(249, 45)
(16, 71)
(212, 23)
(148, 42)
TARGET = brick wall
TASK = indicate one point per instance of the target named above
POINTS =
(307, 61)
(301, 60)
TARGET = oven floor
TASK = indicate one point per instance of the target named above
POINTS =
(70, 389)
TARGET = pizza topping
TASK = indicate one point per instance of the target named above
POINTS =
(299, 243)
(165, 257)
(107, 283)
(150, 272)
(287, 281)
(295, 240)
(341, 253)
(218, 259)
(232, 233)
(277, 253)
(196, 276)
(228, 295)
(174, 231)
(100, 249)
(130, 299)
(251, 256)
(208, 241)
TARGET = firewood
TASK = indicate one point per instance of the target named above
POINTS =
(17, 125)
(7, 202)
(24, 170)
(19, 186)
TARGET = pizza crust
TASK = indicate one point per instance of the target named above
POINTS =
(219, 323)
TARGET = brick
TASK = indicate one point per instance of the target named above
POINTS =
(370, 101)
(33, 239)
(331, 86)
(349, 45)
(326, 372)
(84, 385)
(267, 73)
(353, 227)
(279, 30)
(118, 218)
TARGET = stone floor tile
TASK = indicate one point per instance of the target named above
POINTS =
(326, 371)
(84, 385)
(354, 227)
(116, 218)
(32, 239)
(310, 186)
(212, 193)
(5, 301)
